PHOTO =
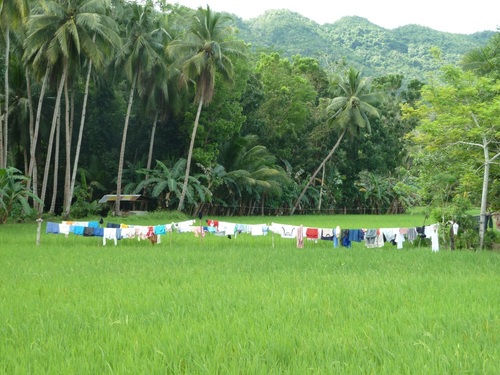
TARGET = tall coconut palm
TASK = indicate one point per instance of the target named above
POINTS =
(59, 32)
(206, 49)
(12, 15)
(349, 113)
(106, 39)
(20, 114)
(141, 52)
(161, 97)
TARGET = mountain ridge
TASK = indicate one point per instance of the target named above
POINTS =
(409, 50)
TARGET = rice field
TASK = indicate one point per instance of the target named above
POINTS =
(246, 305)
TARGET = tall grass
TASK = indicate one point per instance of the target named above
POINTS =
(250, 305)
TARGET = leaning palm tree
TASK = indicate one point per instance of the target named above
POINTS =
(206, 49)
(140, 54)
(349, 113)
(36, 70)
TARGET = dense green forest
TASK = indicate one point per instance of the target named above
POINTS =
(200, 111)
(355, 41)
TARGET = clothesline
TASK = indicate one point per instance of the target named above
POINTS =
(372, 237)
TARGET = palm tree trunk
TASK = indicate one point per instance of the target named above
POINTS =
(31, 117)
(34, 177)
(34, 139)
(122, 149)
(151, 142)
(67, 174)
(190, 154)
(80, 134)
(6, 99)
(52, 131)
(317, 171)
(52, 209)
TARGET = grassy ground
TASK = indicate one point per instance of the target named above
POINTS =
(250, 305)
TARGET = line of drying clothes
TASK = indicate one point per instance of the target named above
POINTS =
(114, 231)
(373, 237)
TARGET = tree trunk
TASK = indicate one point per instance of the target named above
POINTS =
(34, 139)
(152, 141)
(5, 131)
(51, 136)
(484, 195)
(80, 133)
(36, 205)
(190, 154)
(122, 149)
(67, 173)
(52, 209)
(317, 171)
(31, 117)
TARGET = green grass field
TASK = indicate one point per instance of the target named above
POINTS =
(249, 305)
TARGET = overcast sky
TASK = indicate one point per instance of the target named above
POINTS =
(443, 15)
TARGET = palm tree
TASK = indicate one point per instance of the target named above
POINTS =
(20, 111)
(484, 60)
(350, 113)
(376, 190)
(141, 52)
(12, 15)
(205, 50)
(251, 171)
(58, 32)
(166, 183)
(42, 53)
(105, 38)
(96, 176)
(161, 98)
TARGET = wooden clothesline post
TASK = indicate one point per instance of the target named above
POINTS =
(38, 230)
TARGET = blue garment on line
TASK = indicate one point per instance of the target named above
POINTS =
(77, 229)
(52, 228)
(98, 232)
(346, 242)
(159, 229)
(356, 235)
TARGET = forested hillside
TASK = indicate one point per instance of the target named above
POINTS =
(357, 42)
